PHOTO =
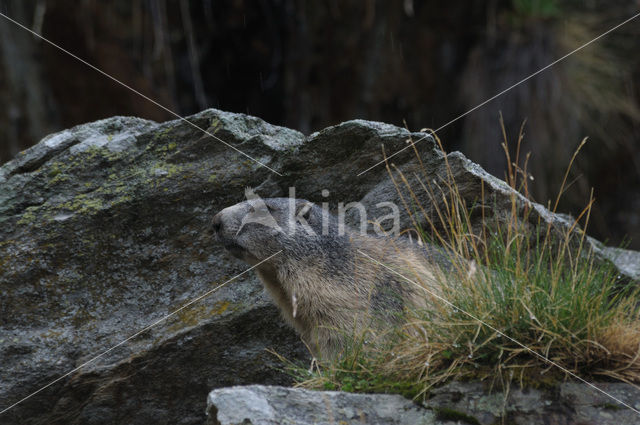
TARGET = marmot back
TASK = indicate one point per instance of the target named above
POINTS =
(319, 273)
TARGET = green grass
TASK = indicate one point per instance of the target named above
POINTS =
(533, 305)
(537, 8)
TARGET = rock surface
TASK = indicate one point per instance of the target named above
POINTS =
(256, 404)
(453, 404)
(100, 237)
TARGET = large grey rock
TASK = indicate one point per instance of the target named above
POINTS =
(100, 237)
(261, 405)
(455, 403)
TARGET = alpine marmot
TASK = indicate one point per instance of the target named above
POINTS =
(326, 278)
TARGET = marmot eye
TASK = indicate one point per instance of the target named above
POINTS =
(260, 208)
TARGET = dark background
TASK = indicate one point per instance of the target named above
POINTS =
(311, 64)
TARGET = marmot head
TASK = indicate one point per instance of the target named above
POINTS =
(255, 229)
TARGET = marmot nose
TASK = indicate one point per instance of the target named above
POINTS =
(216, 225)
